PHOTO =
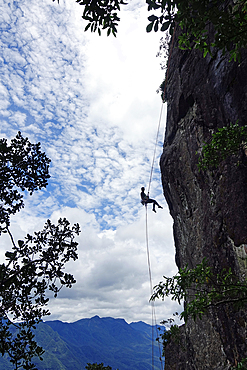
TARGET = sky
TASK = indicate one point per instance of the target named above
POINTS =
(92, 102)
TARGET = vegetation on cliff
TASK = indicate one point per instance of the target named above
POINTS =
(225, 142)
(201, 289)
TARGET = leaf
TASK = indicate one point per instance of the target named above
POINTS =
(156, 26)
(152, 18)
(149, 27)
(10, 255)
(165, 26)
(87, 27)
(21, 243)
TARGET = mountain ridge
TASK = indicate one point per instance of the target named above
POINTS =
(114, 342)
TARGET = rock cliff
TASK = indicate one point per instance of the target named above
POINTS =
(209, 209)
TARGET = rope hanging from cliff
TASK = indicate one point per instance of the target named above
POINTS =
(161, 111)
(155, 147)
(154, 321)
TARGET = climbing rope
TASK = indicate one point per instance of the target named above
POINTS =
(155, 147)
(161, 111)
(149, 186)
(154, 321)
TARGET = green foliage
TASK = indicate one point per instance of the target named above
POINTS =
(229, 23)
(168, 335)
(96, 366)
(242, 365)
(200, 288)
(195, 17)
(172, 333)
(228, 19)
(225, 142)
(33, 265)
(101, 15)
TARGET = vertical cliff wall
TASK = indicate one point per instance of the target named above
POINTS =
(209, 209)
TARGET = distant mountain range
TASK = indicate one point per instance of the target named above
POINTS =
(70, 346)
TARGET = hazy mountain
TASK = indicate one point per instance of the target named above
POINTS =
(70, 346)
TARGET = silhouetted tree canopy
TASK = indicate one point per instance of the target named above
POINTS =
(34, 265)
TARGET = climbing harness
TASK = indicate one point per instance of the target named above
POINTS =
(149, 186)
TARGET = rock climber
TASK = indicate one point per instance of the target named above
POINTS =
(146, 199)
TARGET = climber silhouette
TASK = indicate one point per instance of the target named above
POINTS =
(146, 199)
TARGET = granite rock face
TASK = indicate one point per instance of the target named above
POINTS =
(209, 209)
